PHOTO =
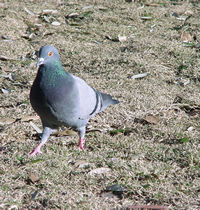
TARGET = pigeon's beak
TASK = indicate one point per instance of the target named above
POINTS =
(40, 62)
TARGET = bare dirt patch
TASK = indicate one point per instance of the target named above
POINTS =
(148, 144)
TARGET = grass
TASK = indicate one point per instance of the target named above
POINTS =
(156, 163)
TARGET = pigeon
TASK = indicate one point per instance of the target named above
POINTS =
(62, 99)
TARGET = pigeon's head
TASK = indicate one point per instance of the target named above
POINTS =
(47, 54)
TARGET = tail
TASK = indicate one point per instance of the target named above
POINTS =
(107, 100)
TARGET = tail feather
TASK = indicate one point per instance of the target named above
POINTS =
(107, 100)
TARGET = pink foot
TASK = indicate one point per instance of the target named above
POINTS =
(35, 152)
(81, 144)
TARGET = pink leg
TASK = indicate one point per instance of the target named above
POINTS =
(81, 143)
(36, 150)
(45, 135)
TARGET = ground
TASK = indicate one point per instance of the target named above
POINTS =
(148, 144)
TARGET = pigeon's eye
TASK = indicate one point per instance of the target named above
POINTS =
(50, 53)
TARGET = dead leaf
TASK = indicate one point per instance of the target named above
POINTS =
(98, 171)
(187, 82)
(185, 37)
(4, 37)
(153, 119)
(28, 36)
(72, 15)
(5, 91)
(182, 18)
(87, 7)
(152, 28)
(102, 8)
(139, 76)
(29, 11)
(81, 164)
(55, 23)
(36, 127)
(29, 118)
(46, 19)
(114, 39)
(94, 130)
(49, 11)
(9, 76)
(190, 110)
(7, 121)
(146, 18)
(37, 25)
(33, 177)
(4, 58)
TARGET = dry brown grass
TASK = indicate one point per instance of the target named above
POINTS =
(157, 163)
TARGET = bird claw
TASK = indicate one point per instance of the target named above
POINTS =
(36, 151)
(81, 147)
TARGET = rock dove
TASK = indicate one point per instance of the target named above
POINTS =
(62, 99)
